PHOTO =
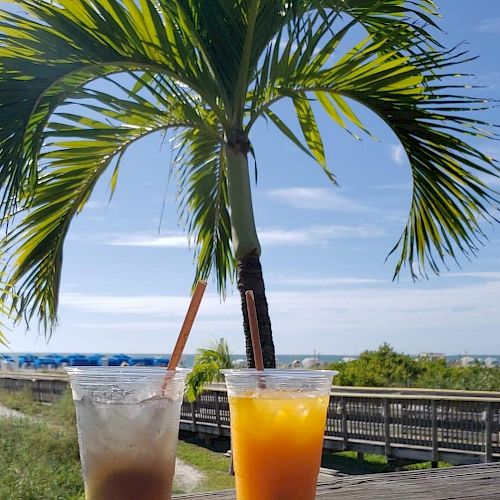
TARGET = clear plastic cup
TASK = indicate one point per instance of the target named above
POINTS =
(277, 426)
(128, 426)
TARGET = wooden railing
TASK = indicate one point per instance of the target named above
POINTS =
(455, 429)
(45, 387)
(453, 426)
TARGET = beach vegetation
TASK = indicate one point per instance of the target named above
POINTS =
(206, 368)
(384, 367)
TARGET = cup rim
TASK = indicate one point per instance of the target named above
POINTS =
(278, 371)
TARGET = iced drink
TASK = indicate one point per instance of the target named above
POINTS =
(277, 427)
(127, 431)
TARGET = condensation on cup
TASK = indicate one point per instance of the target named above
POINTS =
(128, 426)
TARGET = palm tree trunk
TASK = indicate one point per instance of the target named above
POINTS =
(250, 278)
(246, 245)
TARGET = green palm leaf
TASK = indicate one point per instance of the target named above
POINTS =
(206, 368)
(200, 168)
(78, 151)
(409, 93)
(6, 310)
(80, 41)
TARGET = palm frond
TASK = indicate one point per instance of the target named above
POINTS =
(82, 139)
(217, 351)
(414, 96)
(450, 200)
(200, 168)
(206, 368)
(6, 310)
(52, 50)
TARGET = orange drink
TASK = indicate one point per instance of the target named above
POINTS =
(277, 431)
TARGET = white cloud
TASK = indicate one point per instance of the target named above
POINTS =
(491, 25)
(156, 305)
(322, 282)
(448, 318)
(355, 306)
(207, 325)
(172, 240)
(398, 154)
(273, 237)
(315, 235)
(168, 240)
(316, 199)
(486, 275)
(95, 205)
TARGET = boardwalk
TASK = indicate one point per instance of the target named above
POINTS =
(466, 482)
(458, 427)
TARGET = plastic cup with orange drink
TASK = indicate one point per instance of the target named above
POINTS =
(277, 426)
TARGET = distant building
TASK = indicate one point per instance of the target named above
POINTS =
(431, 355)
(491, 362)
(240, 363)
(346, 359)
(467, 361)
(311, 363)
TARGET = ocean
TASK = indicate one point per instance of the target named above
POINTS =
(281, 359)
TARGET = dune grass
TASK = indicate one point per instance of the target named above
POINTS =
(39, 453)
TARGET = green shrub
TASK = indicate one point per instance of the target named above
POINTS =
(387, 368)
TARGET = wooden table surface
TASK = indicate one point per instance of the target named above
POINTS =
(481, 481)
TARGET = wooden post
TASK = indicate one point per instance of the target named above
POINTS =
(35, 389)
(193, 416)
(387, 428)
(217, 412)
(435, 444)
(488, 454)
(345, 435)
(53, 390)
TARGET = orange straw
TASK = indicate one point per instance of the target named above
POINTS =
(186, 326)
(254, 330)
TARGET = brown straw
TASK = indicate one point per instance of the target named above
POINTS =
(254, 330)
(186, 326)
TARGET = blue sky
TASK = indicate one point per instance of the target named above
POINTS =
(125, 286)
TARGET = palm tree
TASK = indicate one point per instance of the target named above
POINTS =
(206, 368)
(81, 80)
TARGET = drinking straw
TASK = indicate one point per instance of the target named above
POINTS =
(186, 326)
(254, 330)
